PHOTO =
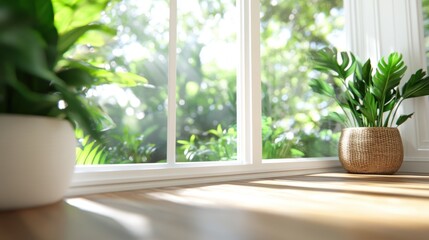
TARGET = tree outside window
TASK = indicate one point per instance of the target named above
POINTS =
(295, 122)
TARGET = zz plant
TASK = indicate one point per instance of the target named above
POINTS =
(369, 97)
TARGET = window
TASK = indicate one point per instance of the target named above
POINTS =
(206, 80)
(193, 60)
(135, 46)
(206, 61)
(295, 120)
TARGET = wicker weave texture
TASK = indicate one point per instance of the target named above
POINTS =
(376, 150)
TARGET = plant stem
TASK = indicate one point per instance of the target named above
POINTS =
(352, 121)
(396, 107)
(345, 112)
(381, 112)
(386, 121)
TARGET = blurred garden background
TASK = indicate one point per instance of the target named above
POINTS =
(295, 120)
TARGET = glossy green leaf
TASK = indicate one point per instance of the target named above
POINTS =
(90, 153)
(388, 75)
(403, 118)
(417, 85)
(82, 154)
(76, 77)
(330, 61)
(71, 13)
(367, 72)
(101, 76)
(125, 79)
(68, 39)
(91, 158)
(369, 109)
(337, 117)
(321, 87)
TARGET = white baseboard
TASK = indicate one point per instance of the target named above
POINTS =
(415, 166)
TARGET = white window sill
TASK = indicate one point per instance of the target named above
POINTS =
(108, 178)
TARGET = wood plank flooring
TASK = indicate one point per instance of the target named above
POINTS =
(314, 206)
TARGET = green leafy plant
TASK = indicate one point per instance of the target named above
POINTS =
(37, 78)
(368, 97)
(275, 143)
(197, 150)
(220, 145)
(131, 147)
(88, 151)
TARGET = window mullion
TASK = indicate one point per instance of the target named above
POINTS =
(172, 58)
(255, 95)
(249, 84)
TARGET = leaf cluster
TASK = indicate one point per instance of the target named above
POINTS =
(37, 78)
(218, 144)
(89, 152)
(369, 97)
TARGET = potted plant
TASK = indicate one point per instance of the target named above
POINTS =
(369, 98)
(41, 100)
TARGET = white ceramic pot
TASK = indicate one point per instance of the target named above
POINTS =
(37, 158)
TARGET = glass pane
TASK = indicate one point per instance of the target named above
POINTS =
(206, 80)
(138, 48)
(294, 120)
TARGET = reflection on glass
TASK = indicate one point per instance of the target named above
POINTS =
(206, 79)
(294, 120)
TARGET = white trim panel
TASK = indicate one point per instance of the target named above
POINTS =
(415, 165)
(172, 74)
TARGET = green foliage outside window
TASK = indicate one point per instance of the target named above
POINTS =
(290, 32)
(295, 122)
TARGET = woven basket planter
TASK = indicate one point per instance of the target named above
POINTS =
(374, 150)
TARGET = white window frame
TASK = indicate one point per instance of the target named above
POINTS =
(368, 34)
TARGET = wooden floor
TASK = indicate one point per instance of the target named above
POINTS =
(316, 206)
